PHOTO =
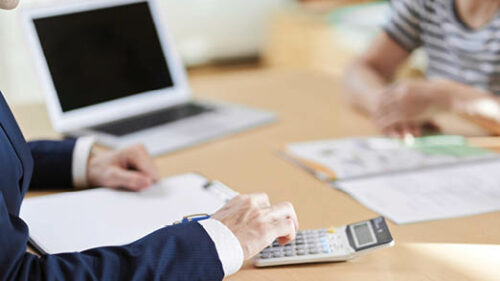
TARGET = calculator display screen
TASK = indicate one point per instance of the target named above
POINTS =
(364, 234)
(368, 234)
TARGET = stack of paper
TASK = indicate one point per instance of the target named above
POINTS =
(433, 178)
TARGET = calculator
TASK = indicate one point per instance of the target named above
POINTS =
(328, 244)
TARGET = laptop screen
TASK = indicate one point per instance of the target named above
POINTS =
(102, 55)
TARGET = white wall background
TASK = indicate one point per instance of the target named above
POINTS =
(202, 29)
(18, 80)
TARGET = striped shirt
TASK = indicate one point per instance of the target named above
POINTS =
(454, 50)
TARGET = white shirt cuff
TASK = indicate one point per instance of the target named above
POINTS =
(81, 154)
(227, 245)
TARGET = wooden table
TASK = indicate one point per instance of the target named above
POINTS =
(309, 108)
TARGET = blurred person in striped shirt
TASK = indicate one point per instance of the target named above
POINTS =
(461, 39)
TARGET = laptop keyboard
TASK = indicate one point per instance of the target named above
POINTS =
(152, 119)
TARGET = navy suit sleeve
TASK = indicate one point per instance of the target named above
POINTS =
(53, 164)
(180, 252)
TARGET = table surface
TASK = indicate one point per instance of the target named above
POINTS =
(310, 107)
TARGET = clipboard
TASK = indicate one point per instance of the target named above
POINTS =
(80, 220)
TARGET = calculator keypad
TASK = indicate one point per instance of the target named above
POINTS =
(308, 242)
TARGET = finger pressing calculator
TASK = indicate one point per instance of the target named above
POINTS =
(328, 244)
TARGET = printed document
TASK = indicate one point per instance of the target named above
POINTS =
(430, 194)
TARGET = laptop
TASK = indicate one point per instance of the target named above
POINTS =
(109, 69)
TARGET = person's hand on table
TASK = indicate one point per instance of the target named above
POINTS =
(256, 223)
(405, 107)
(132, 168)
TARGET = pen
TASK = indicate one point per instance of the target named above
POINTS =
(195, 217)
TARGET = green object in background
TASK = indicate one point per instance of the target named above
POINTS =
(357, 25)
(372, 13)
(457, 151)
(447, 145)
(439, 140)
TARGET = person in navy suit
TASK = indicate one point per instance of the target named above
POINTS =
(205, 250)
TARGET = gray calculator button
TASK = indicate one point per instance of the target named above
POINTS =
(299, 241)
(277, 254)
(301, 252)
(312, 241)
(313, 251)
(289, 253)
(267, 250)
(265, 255)
(276, 244)
(300, 247)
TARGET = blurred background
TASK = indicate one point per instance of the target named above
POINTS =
(228, 35)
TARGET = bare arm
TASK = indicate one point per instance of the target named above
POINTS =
(467, 100)
(368, 76)
(400, 108)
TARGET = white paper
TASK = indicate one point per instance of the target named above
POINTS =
(80, 220)
(440, 193)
